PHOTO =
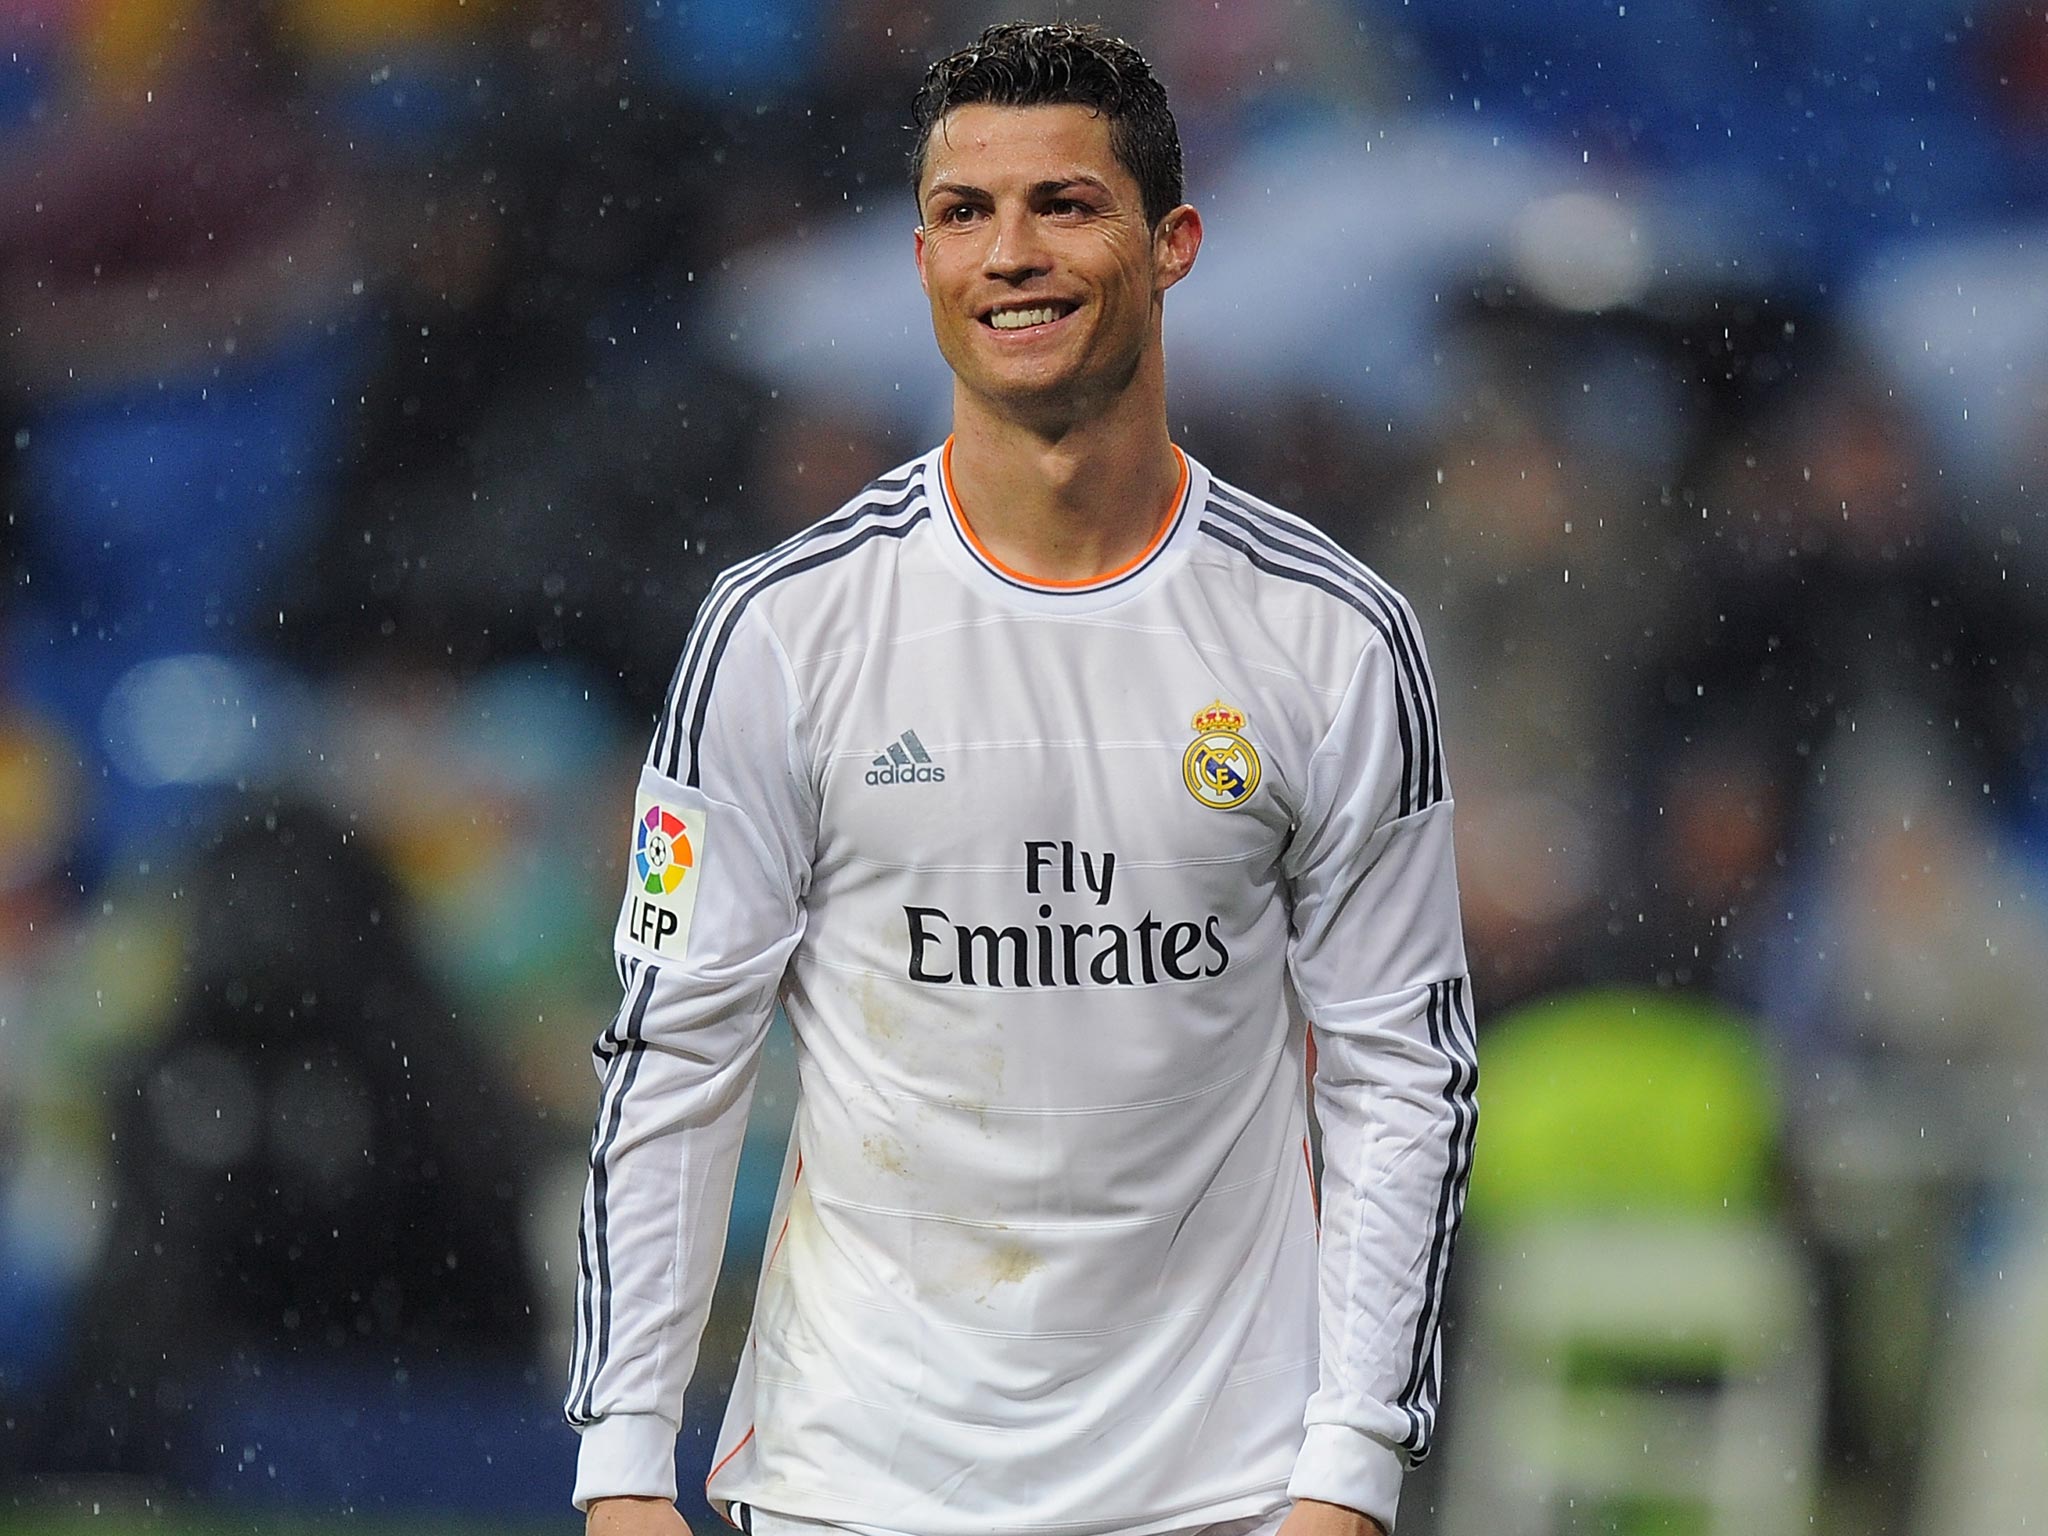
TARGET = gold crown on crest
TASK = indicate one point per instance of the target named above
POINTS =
(1218, 717)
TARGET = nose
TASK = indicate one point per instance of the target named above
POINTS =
(1015, 251)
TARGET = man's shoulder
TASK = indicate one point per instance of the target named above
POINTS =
(885, 511)
(891, 497)
(1288, 559)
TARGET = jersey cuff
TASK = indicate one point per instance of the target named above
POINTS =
(626, 1455)
(1349, 1467)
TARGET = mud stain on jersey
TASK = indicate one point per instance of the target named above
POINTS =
(990, 1060)
(984, 1064)
(881, 1020)
(969, 1107)
(1009, 1264)
(885, 1153)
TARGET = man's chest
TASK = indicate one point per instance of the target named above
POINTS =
(1090, 786)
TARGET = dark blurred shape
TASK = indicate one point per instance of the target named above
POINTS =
(1830, 572)
(313, 1171)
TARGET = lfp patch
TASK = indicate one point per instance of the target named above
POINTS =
(668, 850)
(662, 856)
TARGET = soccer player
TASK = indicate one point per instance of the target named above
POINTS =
(1060, 791)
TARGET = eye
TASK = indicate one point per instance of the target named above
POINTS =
(958, 213)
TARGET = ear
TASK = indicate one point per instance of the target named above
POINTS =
(917, 238)
(1175, 241)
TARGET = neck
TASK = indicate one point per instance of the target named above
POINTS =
(1068, 499)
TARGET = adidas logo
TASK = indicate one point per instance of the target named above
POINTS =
(906, 762)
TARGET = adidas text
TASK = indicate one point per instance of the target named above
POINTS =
(915, 773)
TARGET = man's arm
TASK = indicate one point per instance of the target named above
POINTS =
(634, 1517)
(1378, 963)
(1312, 1517)
(717, 868)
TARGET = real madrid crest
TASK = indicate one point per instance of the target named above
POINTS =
(1220, 768)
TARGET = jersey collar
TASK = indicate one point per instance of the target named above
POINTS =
(1094, 591)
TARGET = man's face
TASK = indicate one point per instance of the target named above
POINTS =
(1043, 274)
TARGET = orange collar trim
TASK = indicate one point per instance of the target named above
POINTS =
(1159, 536)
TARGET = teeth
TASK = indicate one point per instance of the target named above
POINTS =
(1018, 319)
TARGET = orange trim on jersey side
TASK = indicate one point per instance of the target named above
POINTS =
(779, 1236)
(967, 531)
(728, 1456)
(1315, 1200)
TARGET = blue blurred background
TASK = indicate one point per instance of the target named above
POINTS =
(382, 382)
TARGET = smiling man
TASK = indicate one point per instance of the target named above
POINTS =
(1063, 794)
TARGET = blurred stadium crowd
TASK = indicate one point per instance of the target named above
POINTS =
(383, 381)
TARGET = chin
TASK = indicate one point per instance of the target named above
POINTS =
(1003, 383)
(1036, 395)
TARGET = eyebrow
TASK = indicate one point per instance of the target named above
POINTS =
(1046, 188)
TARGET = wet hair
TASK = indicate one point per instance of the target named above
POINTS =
(1033, 64)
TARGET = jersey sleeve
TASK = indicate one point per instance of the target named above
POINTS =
(717, 868)
(1378, 964)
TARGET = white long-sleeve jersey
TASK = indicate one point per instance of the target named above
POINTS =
(1054, 883)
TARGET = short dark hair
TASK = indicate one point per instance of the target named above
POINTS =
(1037, 64)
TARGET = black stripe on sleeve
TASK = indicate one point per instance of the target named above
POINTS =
(606, 1050)
(1466, 1040)
(1314, 548)
(1314, 537)
(1360, 571)
(738, 607)
(586, 1298)
(889, 494)
(626, 1064)
(1345, 595)
(1424, 1313)
(1450, 1030)
(730, 597)
(606, 1047)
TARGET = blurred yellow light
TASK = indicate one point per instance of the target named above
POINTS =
(38, 806)
(351, 26)
(121, 42)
